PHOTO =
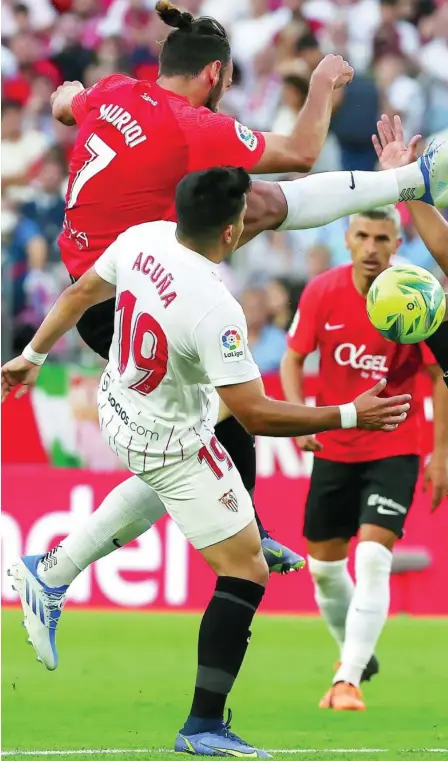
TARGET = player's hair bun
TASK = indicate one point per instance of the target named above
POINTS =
(172, 16)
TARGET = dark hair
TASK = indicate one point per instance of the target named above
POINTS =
(300, 84)
(308, 41)
(8, 104)
(208, 201)
(194, 44)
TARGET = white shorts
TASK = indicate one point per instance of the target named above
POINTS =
(207, 508)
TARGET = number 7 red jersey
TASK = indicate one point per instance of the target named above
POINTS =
(136, 141)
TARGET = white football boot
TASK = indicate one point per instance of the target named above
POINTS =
(434, 167)
(42, 607)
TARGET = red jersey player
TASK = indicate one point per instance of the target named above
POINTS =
(137, 140)
(360, 483)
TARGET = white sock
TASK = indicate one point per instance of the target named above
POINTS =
(333, 592)
(368, 610)
(127, 512)
(321, 198)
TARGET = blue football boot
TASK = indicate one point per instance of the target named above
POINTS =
(217, 742)
(279, 558)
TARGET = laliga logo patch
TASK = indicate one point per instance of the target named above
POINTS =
(246, 136)
(232, 346)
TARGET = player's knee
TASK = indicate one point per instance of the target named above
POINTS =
(259, 571)
(372, 561)
(253, 568)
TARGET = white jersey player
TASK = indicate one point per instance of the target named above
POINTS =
(179, 334)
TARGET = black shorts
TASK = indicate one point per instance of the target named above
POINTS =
(96, 328)
(343, 496)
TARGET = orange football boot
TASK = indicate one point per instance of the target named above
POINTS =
(343, 696)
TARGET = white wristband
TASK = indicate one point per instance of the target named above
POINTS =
(33, 356)
(349, 417)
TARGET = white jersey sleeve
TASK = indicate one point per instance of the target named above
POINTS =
(105, 266)
(221, 343)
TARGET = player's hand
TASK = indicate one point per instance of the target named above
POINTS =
(309, 444)
(390, 145)
(436, 473)
(74, 87)
(381, 414)
(335, 69)
(18, 372)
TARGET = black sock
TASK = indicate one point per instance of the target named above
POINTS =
(438, 343)
(241, 448)
(223, 640)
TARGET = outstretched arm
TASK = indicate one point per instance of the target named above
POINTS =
(436, 471)
(433, 230)
(299, 151)
(23, 371)
(267, 417)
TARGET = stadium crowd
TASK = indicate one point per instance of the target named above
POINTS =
(399, 49)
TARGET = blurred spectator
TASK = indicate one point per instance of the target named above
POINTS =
(254, 33)
(42, 16)
(71, 57)
(266, 342)
(434, 65)
(30, 61)
(262, 88)
(21, 150)
(272, 255)
(354, 122)
(394, 34)
(88, 12)
(279, 303)
(318, 260)
(37, 111)
(46, 210)
(401, 94)
(293, 97)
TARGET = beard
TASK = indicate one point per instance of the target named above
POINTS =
(215, 94)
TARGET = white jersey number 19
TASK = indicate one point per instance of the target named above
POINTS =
(144, 332)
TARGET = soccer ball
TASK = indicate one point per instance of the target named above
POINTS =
(406, 304)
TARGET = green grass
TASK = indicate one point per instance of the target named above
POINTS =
(125, 681)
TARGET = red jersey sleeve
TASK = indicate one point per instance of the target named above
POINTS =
(83, 103)
(219, 140)
(428, 357)
(302, 335)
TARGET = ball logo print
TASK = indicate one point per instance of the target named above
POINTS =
(232, 346)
